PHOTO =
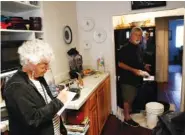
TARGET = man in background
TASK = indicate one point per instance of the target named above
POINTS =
(148, 48)
(131, 72)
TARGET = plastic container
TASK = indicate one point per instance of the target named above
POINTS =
(100, 63)
(153, 110)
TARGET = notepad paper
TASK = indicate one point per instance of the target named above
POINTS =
(71, 95)
(150, 78)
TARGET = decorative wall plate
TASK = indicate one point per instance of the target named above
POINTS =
(100, 35)
(87, 24)
(67, 35)
(87, 45)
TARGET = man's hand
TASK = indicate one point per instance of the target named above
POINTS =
(137, 72)
(147, 67)
(141, 73)
(144, 74)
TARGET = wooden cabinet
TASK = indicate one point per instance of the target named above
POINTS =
(101, 96)
(93, 121)
(93, 112)
(93, 100)
(104, 103)
(98, 107)
(108, 97)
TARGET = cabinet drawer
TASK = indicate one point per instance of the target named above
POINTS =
(92, 100)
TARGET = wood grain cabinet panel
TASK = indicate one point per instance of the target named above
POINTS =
(98, 107)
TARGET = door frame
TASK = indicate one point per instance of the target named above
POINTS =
(182, 108)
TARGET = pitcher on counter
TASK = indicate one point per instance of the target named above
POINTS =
(131, 72)
(32, 109)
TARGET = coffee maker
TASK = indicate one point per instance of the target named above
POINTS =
(75, 63)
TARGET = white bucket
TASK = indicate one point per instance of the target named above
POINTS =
(153, 110)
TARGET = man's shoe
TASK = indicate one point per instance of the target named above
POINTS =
(131, 123)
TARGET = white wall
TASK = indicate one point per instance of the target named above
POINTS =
(102, 13)
(56, 15)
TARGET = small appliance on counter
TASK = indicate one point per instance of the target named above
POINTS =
(75, 63)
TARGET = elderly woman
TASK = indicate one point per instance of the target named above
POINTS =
(31, 107)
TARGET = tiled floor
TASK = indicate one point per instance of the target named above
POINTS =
(171, 91)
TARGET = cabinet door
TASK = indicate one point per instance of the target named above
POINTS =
(93, 121)
(101, 96)
(93, 100)
(108, 97)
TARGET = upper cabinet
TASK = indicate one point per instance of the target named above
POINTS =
(17, 6)
(21, 20)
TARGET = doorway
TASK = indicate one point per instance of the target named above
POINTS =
(169, 39)
(161, 47)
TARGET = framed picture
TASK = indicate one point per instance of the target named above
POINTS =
(147, 4)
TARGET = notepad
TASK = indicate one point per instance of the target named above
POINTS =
(71, 95)
(150, 78)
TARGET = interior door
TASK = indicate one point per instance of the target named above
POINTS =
(161, 49)
(183, 74)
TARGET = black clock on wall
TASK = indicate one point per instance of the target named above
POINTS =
(147, 4)
(67, 35)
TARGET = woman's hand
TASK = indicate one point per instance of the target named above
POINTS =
(62, 96)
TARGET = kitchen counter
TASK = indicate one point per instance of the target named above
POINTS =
(90, 84)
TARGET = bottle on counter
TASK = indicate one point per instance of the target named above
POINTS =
(100, 63)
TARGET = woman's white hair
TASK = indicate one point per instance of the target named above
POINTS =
(34, 51)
